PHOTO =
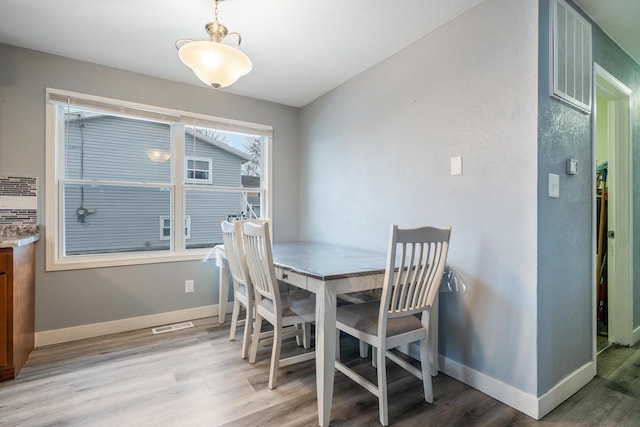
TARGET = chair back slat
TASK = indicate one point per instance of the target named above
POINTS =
(257, 246)
(234, 254)
(415, 263)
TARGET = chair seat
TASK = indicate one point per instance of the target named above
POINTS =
(293, 307)
(364, 317)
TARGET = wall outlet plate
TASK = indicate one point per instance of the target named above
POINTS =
(188, 286)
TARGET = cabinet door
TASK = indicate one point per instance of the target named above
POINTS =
(4, 321)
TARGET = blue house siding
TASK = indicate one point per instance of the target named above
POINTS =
(122, 219)
(115, 149)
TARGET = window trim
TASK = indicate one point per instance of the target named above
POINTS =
(54, 154)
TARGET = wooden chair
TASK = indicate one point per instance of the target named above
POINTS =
(242, 288)
(268, 302)
(415, 262)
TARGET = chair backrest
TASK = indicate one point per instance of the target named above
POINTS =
(235, 253)
(257, 246)
(415, 263)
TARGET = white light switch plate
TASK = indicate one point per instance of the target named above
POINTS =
(554, 185)
(456, 165)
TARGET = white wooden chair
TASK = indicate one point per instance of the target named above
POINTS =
(415, 262)
(268, 302)
(242, 288)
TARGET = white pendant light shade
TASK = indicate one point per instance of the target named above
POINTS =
(216, 64)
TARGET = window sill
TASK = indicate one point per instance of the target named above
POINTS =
(81, 262)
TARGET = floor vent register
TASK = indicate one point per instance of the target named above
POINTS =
(171, 328)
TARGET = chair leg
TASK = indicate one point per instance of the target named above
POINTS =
(425, 363)
(275, 357)
(234, 320)
(374, 355)
(306, 335)
(364, 349)
(382, 386)
(257, 327)
(299, 338)
(246, 338)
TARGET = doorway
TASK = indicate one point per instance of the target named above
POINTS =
(612, 205)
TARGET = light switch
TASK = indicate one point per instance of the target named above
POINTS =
(456, 165)
(554, 185)
(572, 167)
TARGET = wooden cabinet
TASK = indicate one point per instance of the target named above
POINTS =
(17, 308)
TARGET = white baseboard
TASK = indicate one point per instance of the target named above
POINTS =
(505, 393)
(635, 336)
(529, 404)
(565, 389)
(56, 336)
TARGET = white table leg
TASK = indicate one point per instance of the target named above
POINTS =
(223, 292)
(325, 352)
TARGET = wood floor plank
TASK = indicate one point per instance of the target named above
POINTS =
(195, 377)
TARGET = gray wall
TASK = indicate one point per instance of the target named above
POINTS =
(377, 150)
(565, 287)
(72, 298)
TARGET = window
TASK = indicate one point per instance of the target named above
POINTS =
(198, 170)
(120, 176)
(165, 228)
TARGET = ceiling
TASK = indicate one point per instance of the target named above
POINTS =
(620, 19)
(300, 49)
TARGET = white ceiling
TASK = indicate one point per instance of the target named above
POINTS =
(300, 49)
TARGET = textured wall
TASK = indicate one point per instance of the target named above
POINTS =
(73, 298)
(565, 287)
(377, 151)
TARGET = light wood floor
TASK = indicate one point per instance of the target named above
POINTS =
(195, 377)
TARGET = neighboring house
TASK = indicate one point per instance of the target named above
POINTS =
(112, 149)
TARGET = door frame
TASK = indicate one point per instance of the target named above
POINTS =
(620, 295)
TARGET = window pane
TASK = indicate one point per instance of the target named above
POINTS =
(111, 219)
(107, 147)
(202, 165)
(236, 159)
(202, 175)
(207, 209)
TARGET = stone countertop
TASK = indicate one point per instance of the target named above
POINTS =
(12, 235)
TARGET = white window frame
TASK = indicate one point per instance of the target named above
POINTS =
(195, 180)
(187, 227)
(55, 180)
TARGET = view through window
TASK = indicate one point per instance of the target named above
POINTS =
(125, 181)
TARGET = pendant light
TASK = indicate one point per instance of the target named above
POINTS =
(215, 63)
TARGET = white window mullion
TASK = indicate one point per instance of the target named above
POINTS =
(179, 195)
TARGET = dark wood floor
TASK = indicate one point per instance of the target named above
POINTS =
(195, 377)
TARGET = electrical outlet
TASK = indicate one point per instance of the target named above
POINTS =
(188, 286)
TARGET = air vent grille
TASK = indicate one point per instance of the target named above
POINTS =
(571, 56)
(171, 328)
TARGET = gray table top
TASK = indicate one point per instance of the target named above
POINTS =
(327, 262)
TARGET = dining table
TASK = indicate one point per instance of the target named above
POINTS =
(327, 270)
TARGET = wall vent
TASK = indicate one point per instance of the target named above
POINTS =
(171, 328)
(571, 72)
